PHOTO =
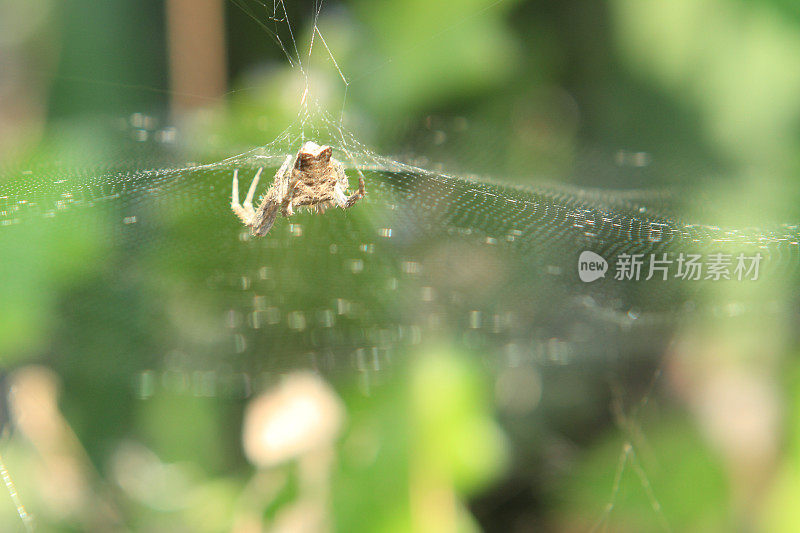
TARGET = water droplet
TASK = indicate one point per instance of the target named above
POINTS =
(342, 306)
(411, 267)
(326, 318)
(240, 343)
(474, 319)
(297, 320)
(273, 315)
(145, 384)
(359, 360)
(233, 319)
(557, 351)
(376, 360)
(497, 323)
(356, 266)
(137, 120)
(167, 135)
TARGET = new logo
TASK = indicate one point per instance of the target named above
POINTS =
(591, 266)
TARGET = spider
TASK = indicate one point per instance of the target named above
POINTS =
(315, 181)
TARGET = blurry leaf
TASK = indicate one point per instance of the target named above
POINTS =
(39, 263)
(454, 431)
(437, 50)
(781, 512)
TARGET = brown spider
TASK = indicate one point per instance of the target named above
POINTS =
(316, 181)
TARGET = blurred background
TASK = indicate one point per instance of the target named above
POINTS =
(163, 372)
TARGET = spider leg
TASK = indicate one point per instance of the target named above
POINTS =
(282, 177)
(248, 201)
(288, 208)
(359, 194)
(267, 211)
(290, 186)
(339, 197)
(236, 207)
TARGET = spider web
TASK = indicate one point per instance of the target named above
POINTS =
(426, 254)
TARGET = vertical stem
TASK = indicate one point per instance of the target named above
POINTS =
(197, 57)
